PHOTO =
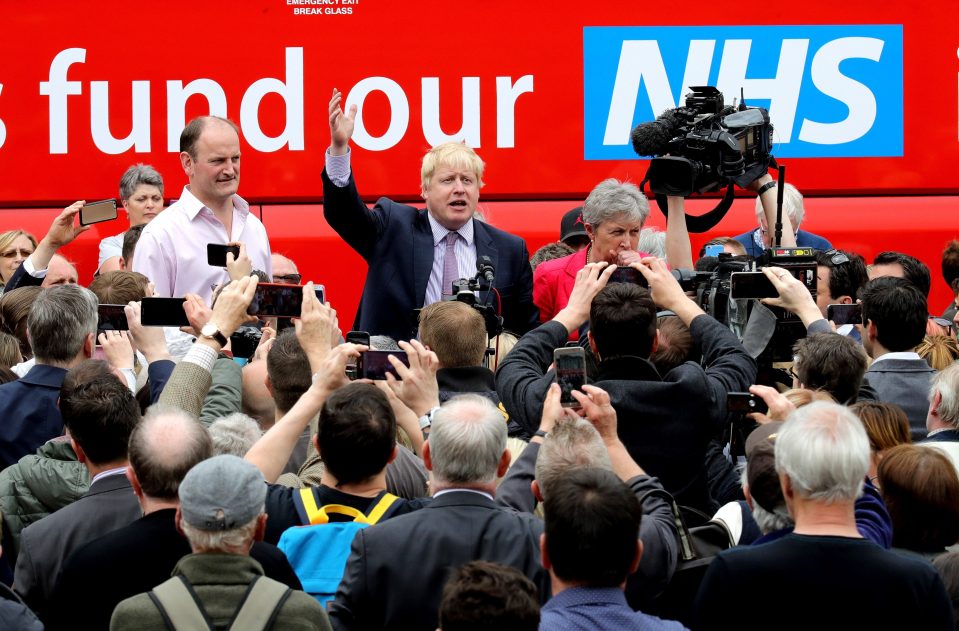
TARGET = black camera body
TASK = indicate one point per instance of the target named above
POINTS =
(705, 145)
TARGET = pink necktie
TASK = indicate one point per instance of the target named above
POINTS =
(450, 269)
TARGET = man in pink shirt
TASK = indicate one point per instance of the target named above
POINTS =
(172, 250)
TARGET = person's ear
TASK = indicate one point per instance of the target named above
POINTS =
(544, 553)
(269, 385)
(89, 345)
(592, 344)
(78, 450)
(393, 454)
(260, 531)
(748, 495)
(537, 492)
(427, 456)
(134, 482)
(845, 300)
(634, 565)
(504, 461)
(655, 346)
(177, 519)
(187, 163)
(590, 232)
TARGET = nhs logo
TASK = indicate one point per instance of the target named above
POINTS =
(831, 91)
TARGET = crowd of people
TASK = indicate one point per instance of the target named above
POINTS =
(161, 477)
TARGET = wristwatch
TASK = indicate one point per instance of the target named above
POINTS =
(541, 433)
(212, 332)
(427, 419)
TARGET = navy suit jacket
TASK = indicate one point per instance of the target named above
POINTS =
(397, 243)
(28, 407)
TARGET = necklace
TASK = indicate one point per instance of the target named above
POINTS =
(589, 250)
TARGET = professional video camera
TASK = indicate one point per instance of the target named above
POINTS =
(702, 147)
(466, 289)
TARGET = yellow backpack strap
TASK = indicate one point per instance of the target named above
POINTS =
(381, 507)
(314, 513)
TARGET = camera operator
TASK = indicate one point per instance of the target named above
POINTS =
(680, 411)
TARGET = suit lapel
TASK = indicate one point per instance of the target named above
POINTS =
(485, 247)
(422, 257)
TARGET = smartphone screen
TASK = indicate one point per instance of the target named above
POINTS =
(95, 212)
(626, 274)
(375, 364)
(745, 402)
(570, 366)
(844, 314)
(163, 312)
(751, 285)
(216, 253)
(279, 301)
(358, 337)
(111, 318)
(320, 291)
(713, 250)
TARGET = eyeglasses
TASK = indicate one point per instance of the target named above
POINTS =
(9, 254)
(836, 257)
(287, 279)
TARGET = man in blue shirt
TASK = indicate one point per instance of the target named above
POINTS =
(591, 544)
(755, 241)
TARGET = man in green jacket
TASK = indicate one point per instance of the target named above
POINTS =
(221, 514)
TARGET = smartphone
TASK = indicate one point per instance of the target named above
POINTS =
(163, 312)
(570, 366)
(375, 364)
(713, 250)
(355, 337)
(751, 285)
(626, 274)
(844, 314)
(216, 253)
(111, 318)
(745, 402)
(95, 212)
(280, 301)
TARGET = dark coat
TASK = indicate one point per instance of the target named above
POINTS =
(397, 244)
(665, 422)
(28, 407)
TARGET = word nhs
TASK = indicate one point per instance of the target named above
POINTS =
(831, 91)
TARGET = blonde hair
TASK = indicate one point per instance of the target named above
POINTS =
(8, 237)
(939, 351)
(454, 155)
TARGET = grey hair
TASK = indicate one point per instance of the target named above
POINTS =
(139, 174)
(792, 206)
(573, 444)
(946, 384)
(234, 541)
(769, 522)
(653, 242)
(383, 343)
(234, 434)
(467, 441)
(60, 319)
(824, 450)
(613, 199)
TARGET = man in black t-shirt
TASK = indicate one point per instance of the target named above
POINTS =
(824, 574)
(356, 439)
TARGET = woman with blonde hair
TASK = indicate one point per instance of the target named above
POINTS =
(15, 247)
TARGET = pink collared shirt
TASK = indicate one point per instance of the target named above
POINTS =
(172, 249)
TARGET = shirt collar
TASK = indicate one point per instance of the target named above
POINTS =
(108, 473)
(573, 596)
(439, 232)
(898, 355)
(193, 206)
(483, 493)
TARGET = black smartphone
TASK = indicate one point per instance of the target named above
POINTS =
(355, 337)
(626, 274)
(111, 318)
(751, 285)
(95, 212)
(570, 366)
(216, 253)
(280, 301)
(163, 312)
(745, 402)
(375, 364)
(844, 314)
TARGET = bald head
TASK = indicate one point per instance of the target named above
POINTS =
(166, 444)
(284, 269)
(60, 272)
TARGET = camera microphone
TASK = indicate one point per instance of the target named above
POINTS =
(484, 268)
(650, 139)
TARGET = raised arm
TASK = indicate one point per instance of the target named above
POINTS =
(679, 252)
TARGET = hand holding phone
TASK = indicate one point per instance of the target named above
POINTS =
(216, 253)
(111, 318)
(570, 364)
(626, 274)
(375, 364)
(745, 403)
(751, 285)
(844, 314)
(163, 312)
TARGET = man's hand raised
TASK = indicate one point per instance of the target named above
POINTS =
(416, 387)
(62, 231)
(589, 281)
(315, 327)
(793, 295)
(666, 291)
(341, 125)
